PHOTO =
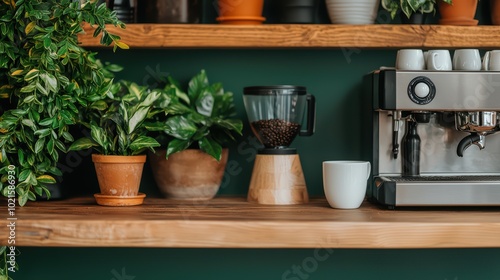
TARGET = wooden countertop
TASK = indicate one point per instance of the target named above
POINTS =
(235, 223)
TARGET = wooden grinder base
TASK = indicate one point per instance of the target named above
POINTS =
(277, 180)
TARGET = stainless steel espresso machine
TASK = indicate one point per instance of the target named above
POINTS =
(434, 138)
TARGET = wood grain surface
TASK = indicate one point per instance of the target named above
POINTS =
(236, 223)
(302, 36)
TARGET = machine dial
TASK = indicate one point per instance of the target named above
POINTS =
(421, 90)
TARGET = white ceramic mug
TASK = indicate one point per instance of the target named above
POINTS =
(344, 183)
(491, 61)
(410, 59)
(438, 60)
(467, 59)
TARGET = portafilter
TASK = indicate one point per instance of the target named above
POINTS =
(478, 124)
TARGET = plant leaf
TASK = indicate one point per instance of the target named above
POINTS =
(122, 45)
(137, 118)
(196, 85)
(99, 136)
(82, 144)
(46, 179)
(205, 103)
(231, 124)
(211, 147)
(141, 143)
(180, 127)
(176, 145)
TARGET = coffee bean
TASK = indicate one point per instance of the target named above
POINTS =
(275, 132)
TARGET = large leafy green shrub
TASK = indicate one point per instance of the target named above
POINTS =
(47, 78)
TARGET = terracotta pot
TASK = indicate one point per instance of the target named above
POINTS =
(119, 179)
(458, 13)
(495, 12)
(240, 11)
(188, 175)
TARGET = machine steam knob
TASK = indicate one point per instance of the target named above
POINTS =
(421, 90)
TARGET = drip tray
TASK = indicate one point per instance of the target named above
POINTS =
(438, 190)
(449, 179)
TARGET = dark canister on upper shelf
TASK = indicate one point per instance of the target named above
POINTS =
(297, 11)
(169, 11)
(124, 9)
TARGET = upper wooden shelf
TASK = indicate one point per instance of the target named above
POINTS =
(302, 36)
(235, 223)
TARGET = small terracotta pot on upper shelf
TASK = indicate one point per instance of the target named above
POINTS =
(240, 12)
(495, 12)
(460, 12)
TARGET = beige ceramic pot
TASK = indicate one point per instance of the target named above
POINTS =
(188, 175)
(119, 179)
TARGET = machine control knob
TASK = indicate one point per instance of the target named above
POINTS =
(421, 90)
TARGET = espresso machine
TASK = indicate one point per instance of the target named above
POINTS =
(434, 138)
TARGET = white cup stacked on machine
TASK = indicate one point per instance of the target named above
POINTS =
(467, 60)
(410, 59)
(491, 61)
(438, 60)
(441, 60)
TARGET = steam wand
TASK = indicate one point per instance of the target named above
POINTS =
(396, 124)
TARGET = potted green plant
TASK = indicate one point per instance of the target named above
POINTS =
(194, 129)
(45, 74)
(414, 11)
(118, 134)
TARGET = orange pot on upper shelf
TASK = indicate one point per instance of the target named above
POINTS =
(459, 12)
(240, 12)
(495, 12)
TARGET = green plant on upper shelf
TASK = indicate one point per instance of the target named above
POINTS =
(408, 7)
(200, 117)
(116, 120)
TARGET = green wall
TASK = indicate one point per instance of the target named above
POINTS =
(253, 264)
(335, 78)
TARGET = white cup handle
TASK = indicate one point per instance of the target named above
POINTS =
(486, 61)
(433, 59)
(369, 170)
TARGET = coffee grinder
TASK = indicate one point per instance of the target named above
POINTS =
(275, 114)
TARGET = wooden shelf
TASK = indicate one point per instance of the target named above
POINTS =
(303, 36)
(235, 223)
